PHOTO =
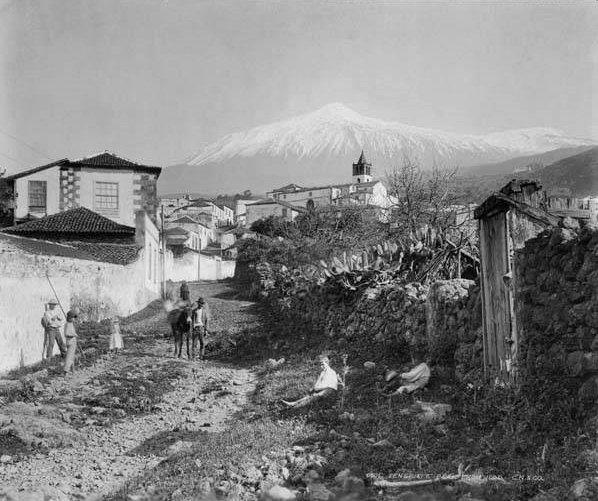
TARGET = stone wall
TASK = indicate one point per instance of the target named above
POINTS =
(99, 289)
(441, 321)
(556, 285)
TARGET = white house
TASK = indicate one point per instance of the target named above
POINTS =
(361, 191)
(104, 183)
(267, 208)
(205, 234)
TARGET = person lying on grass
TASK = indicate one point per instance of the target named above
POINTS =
(411, 381)
(326, 384)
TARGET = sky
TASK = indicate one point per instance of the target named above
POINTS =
(157, 80)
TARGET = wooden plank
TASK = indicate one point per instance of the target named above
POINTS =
(482, 273)
(493, 253)
(512, 339)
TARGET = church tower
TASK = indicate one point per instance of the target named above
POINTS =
(362, 170)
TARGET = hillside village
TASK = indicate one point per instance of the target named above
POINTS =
(298, 251)
(95, 233)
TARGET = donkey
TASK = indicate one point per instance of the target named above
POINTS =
(179, 318)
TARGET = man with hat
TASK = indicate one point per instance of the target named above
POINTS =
(184, 291)
(52, 322)
(71, 340)
(200, 318)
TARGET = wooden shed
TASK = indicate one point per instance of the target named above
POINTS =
(506, 220)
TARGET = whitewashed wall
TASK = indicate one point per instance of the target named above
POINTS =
(99, 289)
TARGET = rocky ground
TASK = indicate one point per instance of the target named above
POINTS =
(143, 425)
(86, 433)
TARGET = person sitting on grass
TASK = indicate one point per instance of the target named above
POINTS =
(326, 384)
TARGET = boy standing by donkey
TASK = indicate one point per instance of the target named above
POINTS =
(200, 318)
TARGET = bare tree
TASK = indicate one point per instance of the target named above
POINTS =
(424, 199)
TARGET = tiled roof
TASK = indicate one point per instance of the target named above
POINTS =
(176, 231)
(36, 169)
(111, 161)
(109, 253)
(105, 158)
(74, 221)
(13, 243)
(183, 219)
(101, 160)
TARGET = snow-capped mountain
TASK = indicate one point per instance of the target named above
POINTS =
(319, 147)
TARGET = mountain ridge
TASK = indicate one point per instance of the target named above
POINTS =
(320, 147)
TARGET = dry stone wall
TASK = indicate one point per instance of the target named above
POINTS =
(557, 308)
(399, 321)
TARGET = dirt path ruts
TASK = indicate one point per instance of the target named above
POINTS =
(105, 452)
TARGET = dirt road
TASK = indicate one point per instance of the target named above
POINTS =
(86, 434)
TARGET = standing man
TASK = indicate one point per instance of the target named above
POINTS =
(52, 322)
(184, 291)
(200, 317)
(71, 340)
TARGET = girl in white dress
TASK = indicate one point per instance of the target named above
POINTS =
(116, 339)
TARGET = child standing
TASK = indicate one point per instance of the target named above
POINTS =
(70, 334)
(116, 339)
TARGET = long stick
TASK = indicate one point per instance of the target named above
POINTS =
(63, 312)
(55, 295)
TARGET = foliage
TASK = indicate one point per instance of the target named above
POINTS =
(315, 235)
(425, 199)
(275, 226)
(6, 202)
(231, 200)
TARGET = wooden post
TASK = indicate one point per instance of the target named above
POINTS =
(163, 249)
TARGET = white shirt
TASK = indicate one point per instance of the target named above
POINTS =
(197, 321)
(53, 319)
(328, 378)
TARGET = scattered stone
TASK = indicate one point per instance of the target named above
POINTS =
(318, 492)
(222, 488)
(8, 385)
(369, 365)
(273, 364)
(5, 458)
(253, 474)
(382, 444)
(279, 493)
(584, 489)
(311, 476)
(180, 446)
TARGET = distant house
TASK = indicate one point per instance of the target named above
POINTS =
(105, 183)
(170, 204)
(267, 208)
(227, 216)
(206, 211)
(179, 238)
(361, 191)
(204, 232)
(241, 209)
